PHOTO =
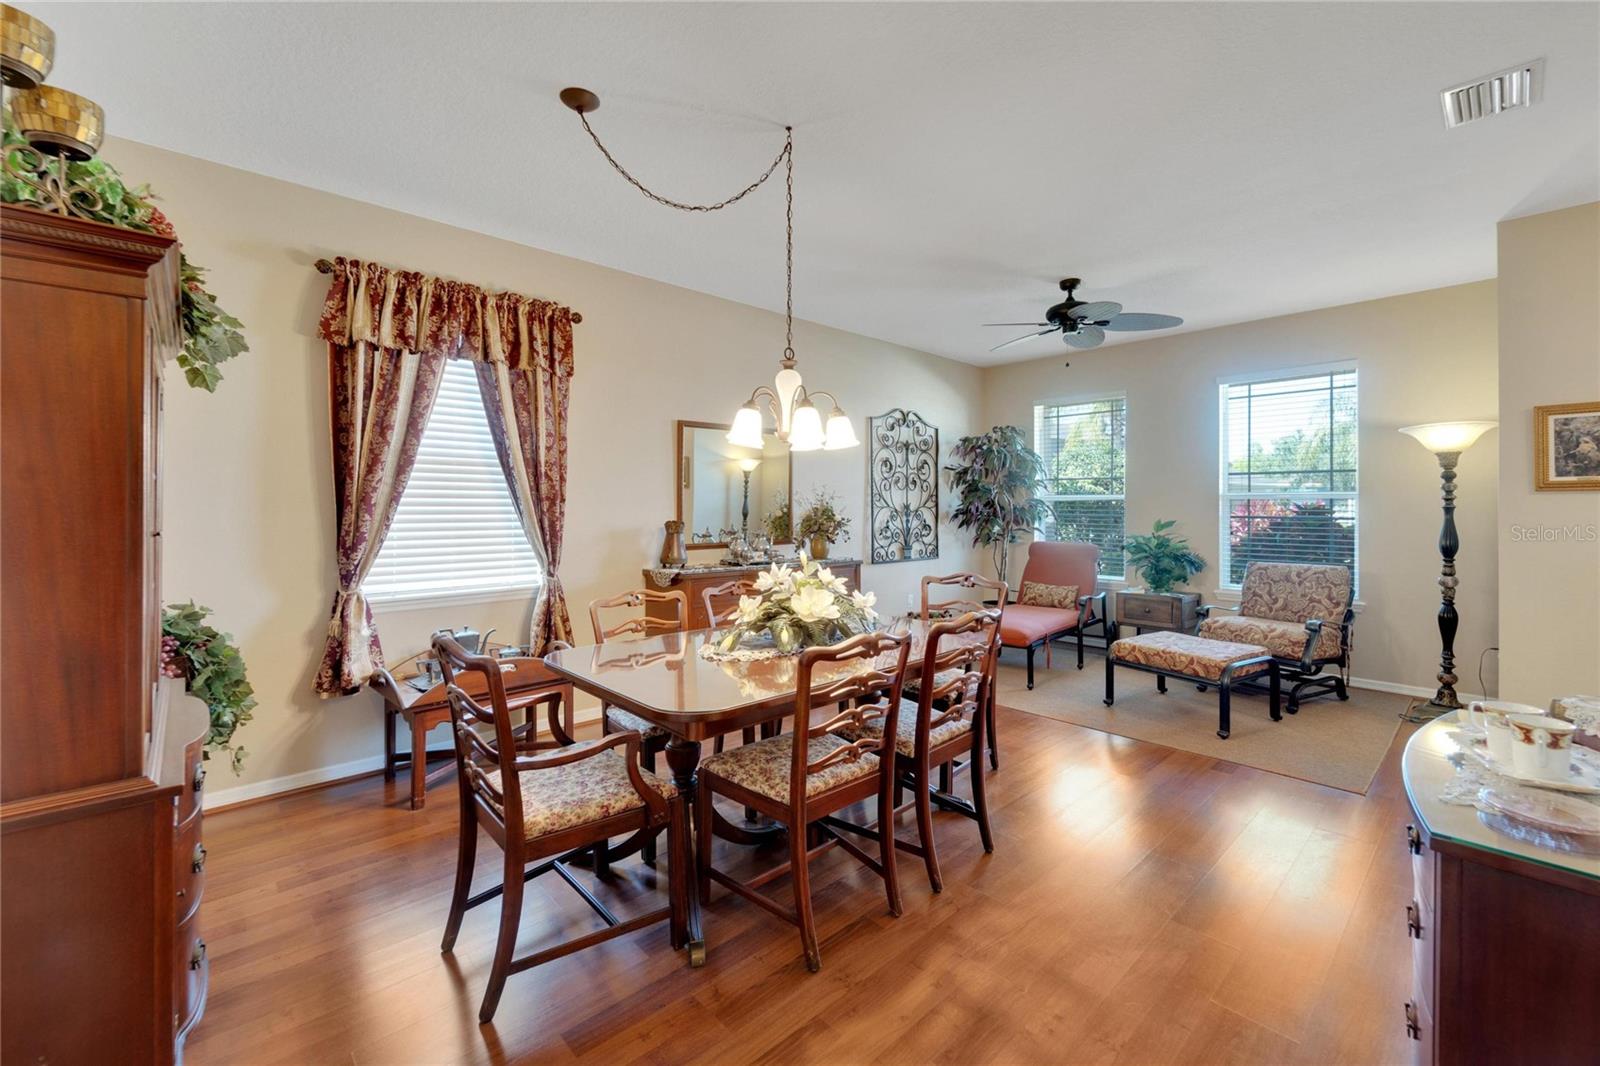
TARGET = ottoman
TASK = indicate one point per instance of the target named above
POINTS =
(1197, 659)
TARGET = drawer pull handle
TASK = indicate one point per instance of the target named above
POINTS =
(198, 863)
(198, 957)
(1413, 1029)
(199, 776)
(1413, 840)
(1413, 921)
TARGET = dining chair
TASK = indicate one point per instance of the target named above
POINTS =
(969, 598)
(547, 809)
(722, 606)
(615, 719)
(948, 720)
(799, 779)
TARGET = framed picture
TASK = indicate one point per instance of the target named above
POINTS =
(1566, 446)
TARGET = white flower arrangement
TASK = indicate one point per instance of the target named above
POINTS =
(800, 608)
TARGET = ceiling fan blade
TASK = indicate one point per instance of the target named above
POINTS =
(1085, 336)
(1024, 337)
(1138, 320)
(1016, 324)
(1094, 312)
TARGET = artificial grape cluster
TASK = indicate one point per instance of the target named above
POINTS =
(171, 658)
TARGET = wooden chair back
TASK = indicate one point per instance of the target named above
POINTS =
(641, 625)
(972, 590)
(863, 696)
(497, 806)
(970, 644)
(722, 601)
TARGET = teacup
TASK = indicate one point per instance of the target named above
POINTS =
(1498, 733)
(1480, 711)
(1541, 746)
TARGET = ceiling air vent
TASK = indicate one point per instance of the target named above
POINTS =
(1518, 86)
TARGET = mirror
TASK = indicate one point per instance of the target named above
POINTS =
(724, 489)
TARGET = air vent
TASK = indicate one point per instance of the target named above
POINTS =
(1516, 87)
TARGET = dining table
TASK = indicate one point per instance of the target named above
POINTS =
(669, 682)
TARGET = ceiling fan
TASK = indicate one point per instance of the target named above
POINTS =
(1083, 323)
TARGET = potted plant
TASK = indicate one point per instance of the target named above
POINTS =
(995, 477)
(212, 669)
(1164, 561)
(800, 608)
(821, 523)
(778, 530)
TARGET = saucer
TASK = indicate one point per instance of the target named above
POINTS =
(1548, 810)
(1583, 772)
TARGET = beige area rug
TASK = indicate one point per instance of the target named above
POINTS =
(1328, 742)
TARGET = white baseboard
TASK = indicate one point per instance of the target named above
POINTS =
(227, 797)
(1406, 690)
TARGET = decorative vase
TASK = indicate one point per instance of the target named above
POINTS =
(818, 546)
(785, 637)
(673, 551)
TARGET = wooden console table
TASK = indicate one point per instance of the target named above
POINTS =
(529, 683)
(693, 580)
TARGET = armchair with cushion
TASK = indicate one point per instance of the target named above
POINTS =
(1302, 614)
(1044, 612)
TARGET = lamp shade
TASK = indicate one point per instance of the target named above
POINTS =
(841, 434)
(749, 465)
(805, 428)
(746, 431)
(787, 387)
(1448, 436)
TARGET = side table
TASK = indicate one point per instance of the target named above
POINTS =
(1174, 611)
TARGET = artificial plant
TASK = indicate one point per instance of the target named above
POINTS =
(996, 477)
(822, 518)
(1165, 561)
(212, 669)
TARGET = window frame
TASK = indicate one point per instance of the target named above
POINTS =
(1048, 498)
(1226, 498)
(393, 601)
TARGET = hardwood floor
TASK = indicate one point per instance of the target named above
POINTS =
(1143, 905)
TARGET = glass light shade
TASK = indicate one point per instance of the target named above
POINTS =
(787, 386)
(746, 431)
(841, 434)
(805, 429)
(1448, 436)
(749, 465)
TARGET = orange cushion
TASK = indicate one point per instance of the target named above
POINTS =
(1021, 625)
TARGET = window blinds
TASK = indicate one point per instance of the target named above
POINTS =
(1289, 472)
(456, 531)
(1084, 447)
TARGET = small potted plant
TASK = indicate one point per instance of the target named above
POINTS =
(821, 524)
(1165, 561)
(778, 520)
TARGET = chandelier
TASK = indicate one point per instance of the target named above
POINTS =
(795, 415)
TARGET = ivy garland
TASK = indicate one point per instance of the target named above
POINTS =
(211, 336)
(213, 670)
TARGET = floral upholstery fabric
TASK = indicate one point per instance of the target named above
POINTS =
(1295, 592)
(1040, 594)
(765, 766)
(940, 679)
(1287, 640)
(580, 792)
(1180, 653)
(906, 730)
(622, 721)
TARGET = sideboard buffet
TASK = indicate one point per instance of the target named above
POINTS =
(694, 580)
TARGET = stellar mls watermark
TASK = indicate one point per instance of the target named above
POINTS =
(1575, 533)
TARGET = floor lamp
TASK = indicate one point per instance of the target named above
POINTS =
(1447, 440)
(746, 467)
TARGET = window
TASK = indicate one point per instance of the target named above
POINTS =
(456, 531)
(1288, 471)
(1084, 447)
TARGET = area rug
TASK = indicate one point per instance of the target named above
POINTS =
(1328, 742)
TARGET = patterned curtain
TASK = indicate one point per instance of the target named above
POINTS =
(388, 334)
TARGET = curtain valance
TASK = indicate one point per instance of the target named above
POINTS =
(408, 311)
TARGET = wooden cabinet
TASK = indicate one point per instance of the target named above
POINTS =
(1176, 611)
(693, 581)
(1505, 937)
(95, 786)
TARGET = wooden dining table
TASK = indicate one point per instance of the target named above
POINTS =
(667, 682)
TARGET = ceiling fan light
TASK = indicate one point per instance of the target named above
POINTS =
(841, 433)
(746, 430)
(805, 428)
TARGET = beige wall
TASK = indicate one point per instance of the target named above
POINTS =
(1424, 357)
(249, 514)
(1549, 547)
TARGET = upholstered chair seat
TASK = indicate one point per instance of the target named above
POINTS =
(622, 721)
(1045, 611)
(1179, 653)
(1286, 640)
(1023, 624)
(944, 678)
(577, 793)
(906, 729)
(764, 766)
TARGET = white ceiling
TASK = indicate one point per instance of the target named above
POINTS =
(1222, 162)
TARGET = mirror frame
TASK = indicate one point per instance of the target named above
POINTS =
(677, 482)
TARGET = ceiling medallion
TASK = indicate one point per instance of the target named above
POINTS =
(794, 412)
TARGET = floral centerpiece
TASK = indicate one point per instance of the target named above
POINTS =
(821, 523)
(798, 608)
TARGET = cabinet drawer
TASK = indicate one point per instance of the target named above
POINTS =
(188, 868)
(191, 976)
(194, 779)
(1422, 868)
(1158, 610)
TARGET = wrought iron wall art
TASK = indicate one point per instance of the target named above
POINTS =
(903, 472)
